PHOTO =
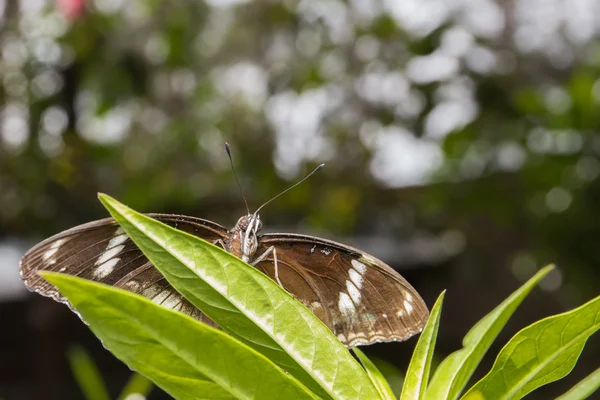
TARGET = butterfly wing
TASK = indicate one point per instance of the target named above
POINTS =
(360, 298)
(101, 251)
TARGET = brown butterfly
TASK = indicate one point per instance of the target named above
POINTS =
(360, 298)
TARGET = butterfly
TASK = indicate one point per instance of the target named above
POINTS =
(360, 298)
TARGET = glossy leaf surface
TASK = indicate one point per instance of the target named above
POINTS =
(186, 358)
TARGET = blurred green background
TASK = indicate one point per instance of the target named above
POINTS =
(461, 140)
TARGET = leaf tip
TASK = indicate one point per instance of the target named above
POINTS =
(548, 268)
(113, 206)
(544, 271)
(105, 199)
(439, 300)
(55, 278)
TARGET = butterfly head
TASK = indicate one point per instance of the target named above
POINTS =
(248, 226)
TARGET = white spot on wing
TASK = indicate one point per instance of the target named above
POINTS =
(356, 278)
(313, 249)
(360, 267)
(408, 296)
(105, 268)
(172, 301)
(400, 314)
(132, 285)
(326, 251)
(108, 254)
(162, 296)
(117, 240)
(150, 292)
(353, 292)
(52, 251)
(384, 315)
(408, 306)
(345, 304)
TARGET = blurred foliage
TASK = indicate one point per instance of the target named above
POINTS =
(90, 381)
(474, 121)
(136, 99)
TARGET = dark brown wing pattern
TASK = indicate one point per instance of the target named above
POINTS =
(102, 252)
(360, 298)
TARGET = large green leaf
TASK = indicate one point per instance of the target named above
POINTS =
(187, 358)
(376, 377)
(455, 370)
(584, 388)
(539, 354)
(249, 305)
(417, 375)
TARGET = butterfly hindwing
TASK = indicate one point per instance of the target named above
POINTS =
(361, 299)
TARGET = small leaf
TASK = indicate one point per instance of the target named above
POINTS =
(584, 389)
(376, 377)
(539, 354)
(137, 384)
(87, 375)
(417, 375)
(249, 305)
(455, 370)
(186, 358)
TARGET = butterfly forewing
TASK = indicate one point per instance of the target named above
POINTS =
(360, 298)
(102, 252)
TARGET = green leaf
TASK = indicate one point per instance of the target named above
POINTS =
(186, 358)
(417, 375)
(87, 375)
(455, 370)
(584, 389)
(539, 354)
(137, 384)
(376, 377)
(393, 375)
(249, 305)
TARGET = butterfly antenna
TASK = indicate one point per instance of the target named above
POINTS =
(290, 188)
(236, 177)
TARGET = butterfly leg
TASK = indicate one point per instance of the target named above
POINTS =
(264, 255)
(219, 242)
(276, 267)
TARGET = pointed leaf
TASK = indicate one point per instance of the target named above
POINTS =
(417, 375)
(455, 370)
(249, 305)
(539, 354)
(187, 358)
(376, 377)
(584, 389)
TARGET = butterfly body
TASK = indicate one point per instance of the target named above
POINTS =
(242, 240)
(360, 298)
